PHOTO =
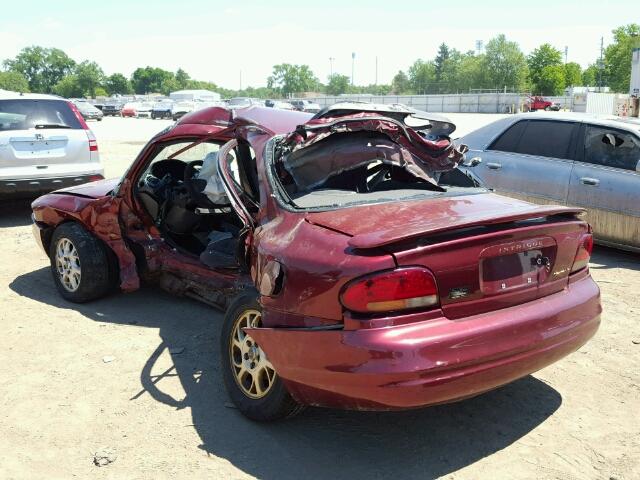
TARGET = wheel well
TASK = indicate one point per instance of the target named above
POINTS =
(114, 266)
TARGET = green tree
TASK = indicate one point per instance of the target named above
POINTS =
(422, 77)
(544, 56)
(182, 79)
(42, 67)
(572, 74)
(551, 80)
(338, 84)
(287, 78)
(150, 79)
(617, 57)
(470, 72)
(439, 61)
(68, 87)
(14, 81)
(504, 64)
(89, 77)
(117, 83)
(400, 83)
(590, 76)
(450, 80)
(168, 85)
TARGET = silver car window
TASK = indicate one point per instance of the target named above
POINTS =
(546, 139)
(611, 148)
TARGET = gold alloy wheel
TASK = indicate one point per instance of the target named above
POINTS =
(68, 264)
(252, 371)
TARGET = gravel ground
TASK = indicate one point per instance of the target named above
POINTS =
(96, 384)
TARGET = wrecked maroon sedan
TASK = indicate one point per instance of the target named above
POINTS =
(358, 267)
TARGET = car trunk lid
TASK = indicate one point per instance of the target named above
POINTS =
(486, 251)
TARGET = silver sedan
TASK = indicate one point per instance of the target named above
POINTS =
(569, 159)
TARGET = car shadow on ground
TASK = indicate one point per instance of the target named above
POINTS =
(319, 443)
(15, 213)
(607, 257)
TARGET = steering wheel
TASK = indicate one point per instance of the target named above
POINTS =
(195, 186)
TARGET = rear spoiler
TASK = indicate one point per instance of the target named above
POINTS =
(422, 228)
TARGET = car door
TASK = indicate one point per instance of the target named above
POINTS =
(531, 160)
(606, 182)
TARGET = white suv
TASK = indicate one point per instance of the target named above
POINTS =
(45, 145)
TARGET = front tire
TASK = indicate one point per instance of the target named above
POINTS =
(81, 266)
(249, 378)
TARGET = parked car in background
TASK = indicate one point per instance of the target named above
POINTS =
(88, 111)
(129, 109)
(143, 110)
(579, 160)
(45, 144)
(112, 109)
(305, 106)
(358, 267)
(181, 108)
(539, 103)
(282, 105)
(243, 102)
(162, 109)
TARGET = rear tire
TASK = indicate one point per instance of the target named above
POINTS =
(257, 391)
(81, 265)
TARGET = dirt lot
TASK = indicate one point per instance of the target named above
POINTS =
(137, 374)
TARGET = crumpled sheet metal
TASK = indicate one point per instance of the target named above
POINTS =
(404, 147)
(439, 153)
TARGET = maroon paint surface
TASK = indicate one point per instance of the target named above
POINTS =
(462, 347)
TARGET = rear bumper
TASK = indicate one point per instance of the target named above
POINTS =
(25, 188)
(433, 361)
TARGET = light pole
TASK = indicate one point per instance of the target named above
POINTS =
(376, 70)
(353, 62)
(331, 59)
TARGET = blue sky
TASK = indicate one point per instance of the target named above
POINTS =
(216, 41)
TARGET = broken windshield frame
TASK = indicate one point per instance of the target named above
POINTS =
(285, 201)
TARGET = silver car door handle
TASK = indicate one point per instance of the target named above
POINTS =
(494, 166)
(589, 181)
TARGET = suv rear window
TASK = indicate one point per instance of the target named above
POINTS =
(23, 114)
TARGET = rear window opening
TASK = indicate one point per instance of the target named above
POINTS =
(353, 168)
(25, 114)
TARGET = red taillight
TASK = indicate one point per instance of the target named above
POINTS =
(93, 143)
(95, 178)
(584, 253)
(387, 291)
(78, 115)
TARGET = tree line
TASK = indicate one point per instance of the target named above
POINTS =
(501, 65)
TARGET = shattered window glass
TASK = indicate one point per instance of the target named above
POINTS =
(611, 148)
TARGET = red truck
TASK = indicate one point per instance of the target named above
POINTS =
(539, 103)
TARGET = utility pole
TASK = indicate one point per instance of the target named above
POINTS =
(376, 70)
(353, 62)
(331, 59)
(240, 79)
(566, 53)
(600, 64)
